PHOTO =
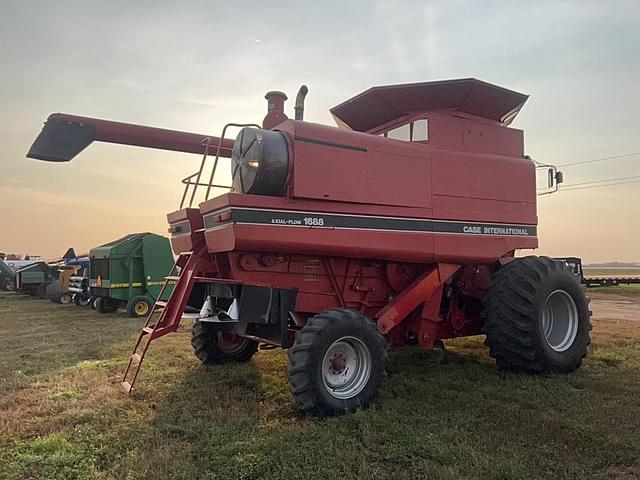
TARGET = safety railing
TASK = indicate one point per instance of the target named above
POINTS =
(193, 180)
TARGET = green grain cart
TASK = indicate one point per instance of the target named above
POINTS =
(129, 273)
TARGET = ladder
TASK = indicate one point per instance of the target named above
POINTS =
(170, 314)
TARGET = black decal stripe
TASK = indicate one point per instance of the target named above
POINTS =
(329, 144)
(288, 218)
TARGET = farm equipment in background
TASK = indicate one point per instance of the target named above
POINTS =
(16, 263)
(398, 227)
(593, 281)
(48, 279)
(58, 291)
(130, 272)
(7, 277)
(79, 285)
(36, 279)
(64, 293)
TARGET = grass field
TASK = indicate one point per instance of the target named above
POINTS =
(63, 415)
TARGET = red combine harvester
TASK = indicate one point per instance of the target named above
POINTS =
(398, 227)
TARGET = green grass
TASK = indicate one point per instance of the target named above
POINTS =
(63, 415)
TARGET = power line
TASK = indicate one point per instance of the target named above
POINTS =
(597, 186)
(624, 155)
(600, 181)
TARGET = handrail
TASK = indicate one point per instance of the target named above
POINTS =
(188, 181)
(215, 162)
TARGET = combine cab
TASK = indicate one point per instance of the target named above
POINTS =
(399, 227)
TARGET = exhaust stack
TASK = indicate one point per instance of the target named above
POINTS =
(299, 107)
(275, 109)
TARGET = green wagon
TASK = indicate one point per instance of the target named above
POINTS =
(129, 273)
(38, 279)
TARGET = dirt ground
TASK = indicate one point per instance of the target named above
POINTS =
(615, 317)
(615, 307)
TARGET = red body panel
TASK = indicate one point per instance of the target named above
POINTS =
(185, 226)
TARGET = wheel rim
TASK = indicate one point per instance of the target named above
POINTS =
(230, 342)
(141, 308)
(65, 299)
(560, 320)
(346, 367)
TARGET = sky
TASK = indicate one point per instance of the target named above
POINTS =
(195, 66)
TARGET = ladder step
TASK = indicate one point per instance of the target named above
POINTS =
(172, 277)
(127, 386)
(161, 303)
(186, 254)
(158, 331)
(136, 357)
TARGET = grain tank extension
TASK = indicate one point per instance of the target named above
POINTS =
(400, 226)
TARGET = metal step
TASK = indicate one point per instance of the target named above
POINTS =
(172, 277)
(136, 357)
(218, 320)
(161, 303)
(127, 386)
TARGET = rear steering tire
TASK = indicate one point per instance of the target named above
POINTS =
(537, 318)
(337, 363)
(213, 347)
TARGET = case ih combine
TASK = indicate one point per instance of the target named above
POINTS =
(398, 227)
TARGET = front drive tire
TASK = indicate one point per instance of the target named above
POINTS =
(213, 347)
(337, 363)
(537, 318)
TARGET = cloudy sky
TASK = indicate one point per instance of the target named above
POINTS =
(197, 65)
